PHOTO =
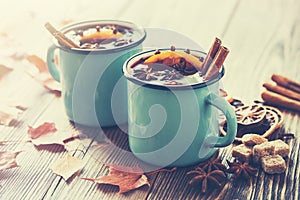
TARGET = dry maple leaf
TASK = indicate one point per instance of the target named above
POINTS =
(47, 133)
(47, 127)
(53, 86)
(127, 178)
(4, 70)
(38, 62)
(67, 166)
(8, 113)
(8, 159)
(43, 77)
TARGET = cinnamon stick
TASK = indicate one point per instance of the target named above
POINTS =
(280, 100)
(210, 56)
(62, 39)
(217, 63)
(286, 82)
(282, 90)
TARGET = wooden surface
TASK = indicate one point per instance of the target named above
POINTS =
(263, 37)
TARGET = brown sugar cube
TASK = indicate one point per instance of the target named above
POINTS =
(242, 152)
(273, 164)
(281, 148)
(261, 150)
(253, 139)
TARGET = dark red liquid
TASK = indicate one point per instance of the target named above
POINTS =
(165, 73)
(114, 36)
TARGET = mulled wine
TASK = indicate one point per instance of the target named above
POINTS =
(168, 67)
(103, 36)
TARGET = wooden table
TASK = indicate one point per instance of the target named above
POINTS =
(263, 37)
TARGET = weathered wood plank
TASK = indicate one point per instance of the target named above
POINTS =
(200, 20)
(263, 37)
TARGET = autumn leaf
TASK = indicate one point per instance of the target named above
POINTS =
(8, 113)
(38, 62)
(53, 86)
(126, 178)
(45, 128)
(47, 133)
(67, 166)
(8, 159)
(43, 76)
(4, 70)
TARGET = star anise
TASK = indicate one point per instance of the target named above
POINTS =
(146, 75)
(241, 170)
(212, 164)
(212, 178)
(171, 75)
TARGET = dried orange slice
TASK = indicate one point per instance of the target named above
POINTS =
(101, 35)
(278, 113)
(274, 119)
(250, 115)
(174, 55)
(271, 122)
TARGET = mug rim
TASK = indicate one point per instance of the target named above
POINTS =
(142, 83)
(134, 26)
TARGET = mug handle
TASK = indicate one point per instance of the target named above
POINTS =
(51, 64)
(225, 107)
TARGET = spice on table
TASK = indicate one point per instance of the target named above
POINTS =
(286, 92)
(241, 170)
(212, 164)
(282, 90)
(280, 100)
(286, 82)
(213, 178)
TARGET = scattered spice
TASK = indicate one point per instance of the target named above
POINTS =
(188, 51)
(171, 75)
(173, 48)
(201, 58)
(212, 164)
(98, 28)
(145, 75)
(241, 170)
(157, 52)
(214, 178)
(120, 43)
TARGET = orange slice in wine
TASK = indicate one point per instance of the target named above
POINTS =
(101, 35)
(174, 56)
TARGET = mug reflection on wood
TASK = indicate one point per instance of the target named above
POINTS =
(90, 74)
(175, 125)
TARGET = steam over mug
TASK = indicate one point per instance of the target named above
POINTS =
(92, 91)
(175, 125)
